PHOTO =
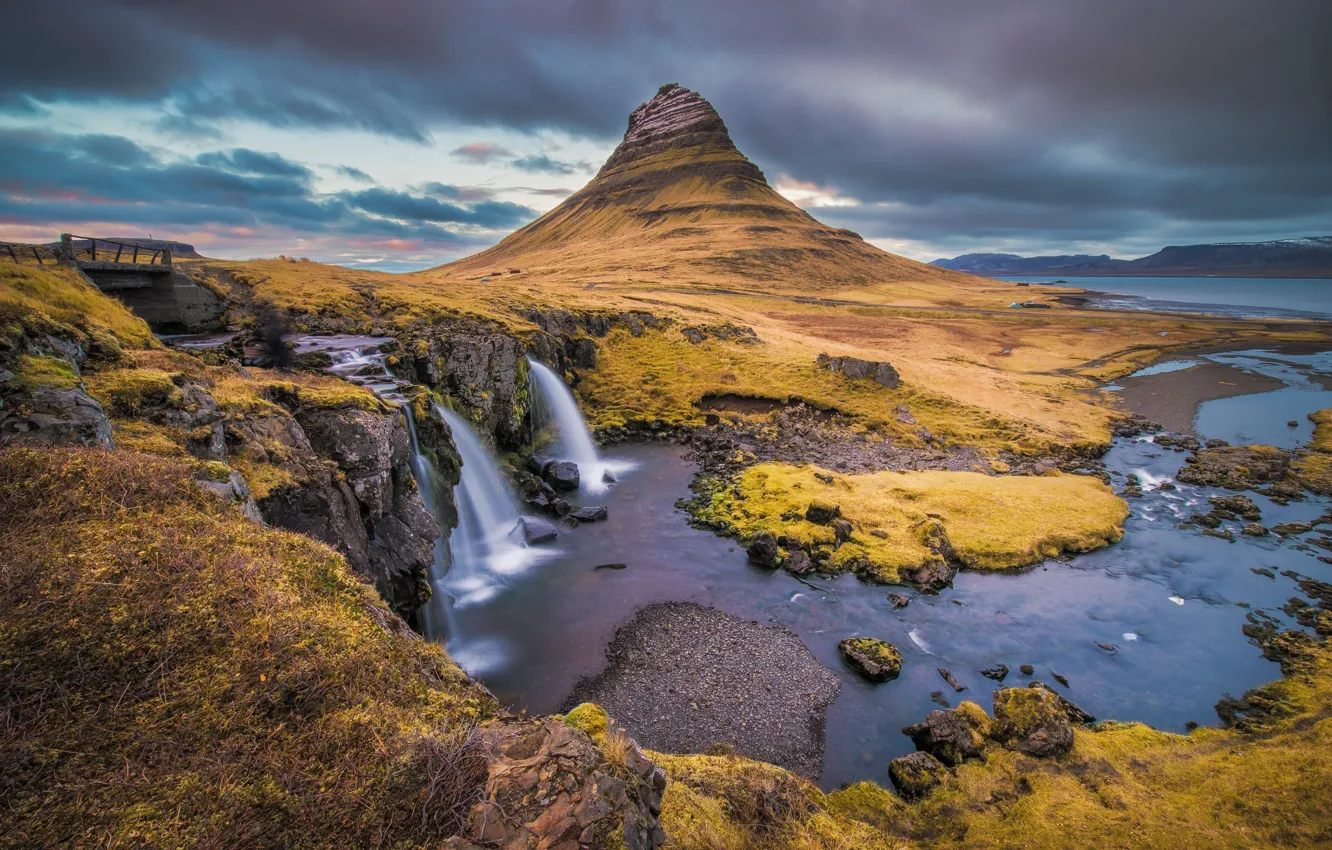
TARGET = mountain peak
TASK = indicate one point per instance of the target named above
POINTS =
(675, 119)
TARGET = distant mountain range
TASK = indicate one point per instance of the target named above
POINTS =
(1309, 257)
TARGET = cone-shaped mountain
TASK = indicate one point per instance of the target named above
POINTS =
(678, 203)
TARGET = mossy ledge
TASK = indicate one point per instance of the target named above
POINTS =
(893, 527)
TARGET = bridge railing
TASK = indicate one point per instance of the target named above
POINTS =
(93, 249)
(25, 252)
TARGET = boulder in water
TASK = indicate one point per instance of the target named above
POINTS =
(533, 530)
(765, 552)
(537, 464)
(608, 477)
(952, 736)
(562, 475)
(876, 660)
(589, 513)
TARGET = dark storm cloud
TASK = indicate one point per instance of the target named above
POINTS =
(488, 214)
(47, 177)
(1070, 116)
(248, 161)
(545, 164)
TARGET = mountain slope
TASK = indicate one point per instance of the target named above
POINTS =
(678, 203)
(1309, 258)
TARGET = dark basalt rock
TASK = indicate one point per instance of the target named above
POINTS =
(1235, 467)
(1235, 507)
(1026, 669)
(765, 552)
(562, 475)
(897, 600)
(999, 672)
(952, 683)
(822, 513)
(589, 513)
(1253, 529)
(876, 660)
(534, 530)
(798, 563)
(916, 775)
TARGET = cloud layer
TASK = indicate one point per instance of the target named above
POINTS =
(966, 125)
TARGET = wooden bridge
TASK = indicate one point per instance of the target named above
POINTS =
(141, 276)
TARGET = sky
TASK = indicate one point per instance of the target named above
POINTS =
(399, 134)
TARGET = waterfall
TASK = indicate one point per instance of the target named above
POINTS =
(437, 614)
(553, 403)
(483, 548)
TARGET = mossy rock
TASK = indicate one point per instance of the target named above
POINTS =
(1032, 720)
(822, 513)
(876, 660)
(590, 718)
(916, 775)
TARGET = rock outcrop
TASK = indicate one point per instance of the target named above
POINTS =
(915, 775)
(952, 736)
(876, 660)
(856, 369)
(548, 787)
(42, 397)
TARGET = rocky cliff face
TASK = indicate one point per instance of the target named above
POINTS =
(42, 398)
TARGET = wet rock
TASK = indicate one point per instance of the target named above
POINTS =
(952, 736)
(533, 530)
(589, 513)
(952, 683)
(1058, 678)
(897, 600)
(562, 475)
(1292, 424)
(549, 787)
(611, 567)
(998, 672)
(1166, 485)
(1235, 507)
(1259, 571)
(1253, 529)
(1027, 669)
(1220, 533)
(822, 513)
(916, 775)
(1288, 529)
(1071, 710)
(1133, 491)
(560, 507)
(1207, 520)
(1216, 443)
(1235, 467)
(765, 552)
(608, 477)
(1031, 720)
(537, 464)
(876, 660)
(798, 563)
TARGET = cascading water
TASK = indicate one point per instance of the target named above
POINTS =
(484, 548)
(554, 404)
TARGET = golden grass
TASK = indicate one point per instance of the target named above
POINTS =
(992, 522)
(35, 372)
(188, 678)
(58, 300)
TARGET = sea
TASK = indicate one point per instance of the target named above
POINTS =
(1248, 297)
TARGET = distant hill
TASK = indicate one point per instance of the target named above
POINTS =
(1309, 257)
(1013, 264)
(678, 204)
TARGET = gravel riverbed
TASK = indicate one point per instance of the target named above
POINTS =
(682, 677)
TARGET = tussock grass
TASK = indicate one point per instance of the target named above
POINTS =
(179, 676)
(59, 301)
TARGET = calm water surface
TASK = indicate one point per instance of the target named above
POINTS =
(1168, 599)
(1232, 296)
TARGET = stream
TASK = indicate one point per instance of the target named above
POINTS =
(1167, 601)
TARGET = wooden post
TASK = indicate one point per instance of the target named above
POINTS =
(37, 255)
(65, 253)
(92, 249)
(120, 246)
(166, 256)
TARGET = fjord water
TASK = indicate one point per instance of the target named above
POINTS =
(1228, 296)
(1167, 600)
